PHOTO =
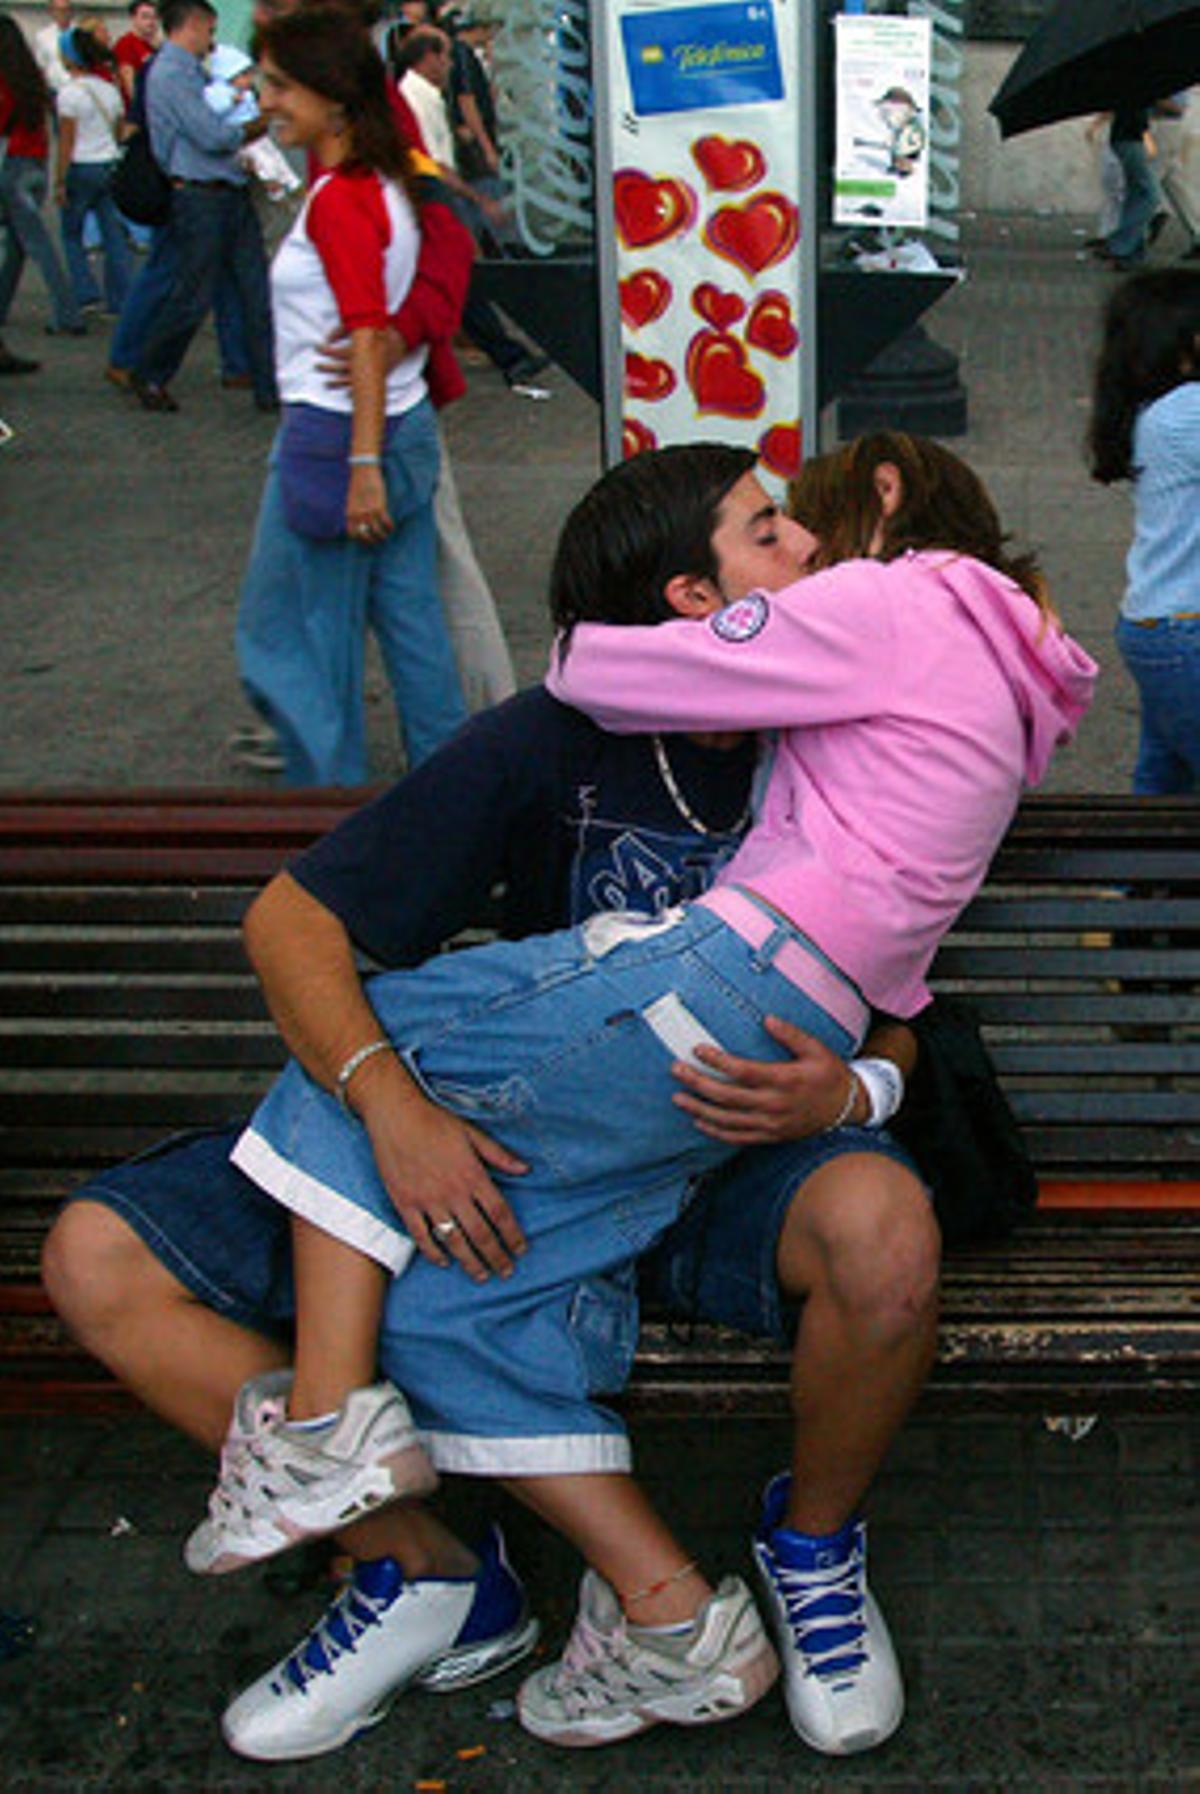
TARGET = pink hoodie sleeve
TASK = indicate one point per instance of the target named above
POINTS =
(817, 652)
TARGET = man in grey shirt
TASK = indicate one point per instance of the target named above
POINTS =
(212, 228)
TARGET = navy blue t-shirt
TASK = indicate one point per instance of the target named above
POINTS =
(531, 800)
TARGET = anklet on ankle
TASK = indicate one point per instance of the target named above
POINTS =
(656, 1588)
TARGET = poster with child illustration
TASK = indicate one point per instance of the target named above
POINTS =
(881, 173)
(706, 224)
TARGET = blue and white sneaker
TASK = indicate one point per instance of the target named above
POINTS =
(841, 1679)
(380, 1635)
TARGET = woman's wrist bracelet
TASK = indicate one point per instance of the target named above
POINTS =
(363, 460)
(884, 1085)
(342, 1082)
(844, 1113)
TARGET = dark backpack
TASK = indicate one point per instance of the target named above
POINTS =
(140, 188)
(956, 1122)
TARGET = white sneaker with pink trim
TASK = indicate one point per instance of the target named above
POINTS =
(281, 1484)
(614, 1680)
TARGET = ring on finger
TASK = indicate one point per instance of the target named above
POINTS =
(443, 1229)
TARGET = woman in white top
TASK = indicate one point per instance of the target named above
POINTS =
(345, 536)
(91, 126)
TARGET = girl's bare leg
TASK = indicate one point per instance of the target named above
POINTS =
(609, 1519)
(339, 1306)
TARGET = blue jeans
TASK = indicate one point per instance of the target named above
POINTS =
(1164, 662)
(211, 231)
(560, 1046)
(1141, 201)
(23, 184)
(88, 190)
(306, 607)
(152, 284)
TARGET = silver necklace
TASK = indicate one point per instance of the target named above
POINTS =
(681, 804)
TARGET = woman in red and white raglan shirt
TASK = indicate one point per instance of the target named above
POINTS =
(346, 523)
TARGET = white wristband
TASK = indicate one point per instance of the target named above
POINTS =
(342, 1081)
(884, 1085)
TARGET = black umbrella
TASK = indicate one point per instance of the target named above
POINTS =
(1095, 55)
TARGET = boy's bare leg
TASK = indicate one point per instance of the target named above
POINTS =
(861, 1248)
(339, 1305)
(609, 1519)
(186, 1363)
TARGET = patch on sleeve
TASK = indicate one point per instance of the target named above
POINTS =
(741, 620)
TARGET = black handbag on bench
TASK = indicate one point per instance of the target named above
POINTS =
(956, 1122)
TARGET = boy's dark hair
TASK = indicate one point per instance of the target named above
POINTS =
(643, 523)
(1150, 344)
(174, 13)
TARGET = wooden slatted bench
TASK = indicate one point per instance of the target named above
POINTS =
(127, 1011)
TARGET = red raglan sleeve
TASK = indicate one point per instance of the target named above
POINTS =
(349, 228)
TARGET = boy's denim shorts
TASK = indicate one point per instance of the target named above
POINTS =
(562, 1047)
(229, 1243)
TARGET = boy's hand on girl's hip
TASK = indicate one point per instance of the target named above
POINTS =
(435, 1169)
(755, 1102)
(333, 357)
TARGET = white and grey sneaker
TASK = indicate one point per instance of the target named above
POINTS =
(280, 1484)
(380, 1635)
(841, 1679)
(614, 1680)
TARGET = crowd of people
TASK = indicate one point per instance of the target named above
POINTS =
(401, 565)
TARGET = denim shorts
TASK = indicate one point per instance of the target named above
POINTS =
(229, 1243)
(561, 1046)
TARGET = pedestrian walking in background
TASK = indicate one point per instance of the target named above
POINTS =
(91, 127)
(212, 229)
(47, 44)
(1145, 427)
(25, 106)
(346, 527)
(1176, 130)
(1141, 198)
(134, 48)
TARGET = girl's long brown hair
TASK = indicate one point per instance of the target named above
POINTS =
(328, 49)
(943, 504)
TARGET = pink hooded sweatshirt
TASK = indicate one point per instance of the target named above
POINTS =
(915, 700)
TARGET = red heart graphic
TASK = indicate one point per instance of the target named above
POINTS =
(717, 308)
(648, 379)
(650, 211)
(771, 327)
(729, 166)
(644, 297)
(779, 449)
(636, 438)
(720, 378)
(756, 235)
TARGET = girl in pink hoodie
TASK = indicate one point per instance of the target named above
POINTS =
(915, 691)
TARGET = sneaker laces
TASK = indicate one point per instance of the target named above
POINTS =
(826, 1613)
(596, 1668)
(243, 1468)
(335, 1635)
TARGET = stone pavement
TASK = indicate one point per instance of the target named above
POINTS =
(1044, 1592)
